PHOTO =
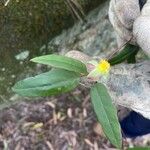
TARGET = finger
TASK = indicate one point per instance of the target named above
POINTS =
(146, 9)
(121, 30)
(141, 29)
(127, 11)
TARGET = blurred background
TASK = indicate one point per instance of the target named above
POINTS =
(27, 25)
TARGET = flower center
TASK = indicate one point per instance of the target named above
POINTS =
(103, 67)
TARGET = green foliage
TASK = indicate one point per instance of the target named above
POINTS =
(128, 53)
(67, 76)
(46, 84)
(62, 62)
(106, 114)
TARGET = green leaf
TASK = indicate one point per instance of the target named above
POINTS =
(46, 84)
(139, 148)
(106, 114)
(128, 52)
(132, 58)
(62, 62)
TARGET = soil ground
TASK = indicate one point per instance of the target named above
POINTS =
(66, 122)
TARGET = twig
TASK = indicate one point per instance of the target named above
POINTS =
(118, 49)
(75, 9)
(50, 146)
(6, 2)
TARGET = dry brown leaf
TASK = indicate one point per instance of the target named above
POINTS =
(49, 145)
(98, 129)
(88, 142)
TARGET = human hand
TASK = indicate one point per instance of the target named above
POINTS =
(130, 23)
(128, 84)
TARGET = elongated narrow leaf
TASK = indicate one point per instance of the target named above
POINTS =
(125, 54)
(62, 62)
(132, 58)
(106, 114)
(50, 83)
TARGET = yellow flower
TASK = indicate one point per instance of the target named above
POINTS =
(103, 67)
(101, 70)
